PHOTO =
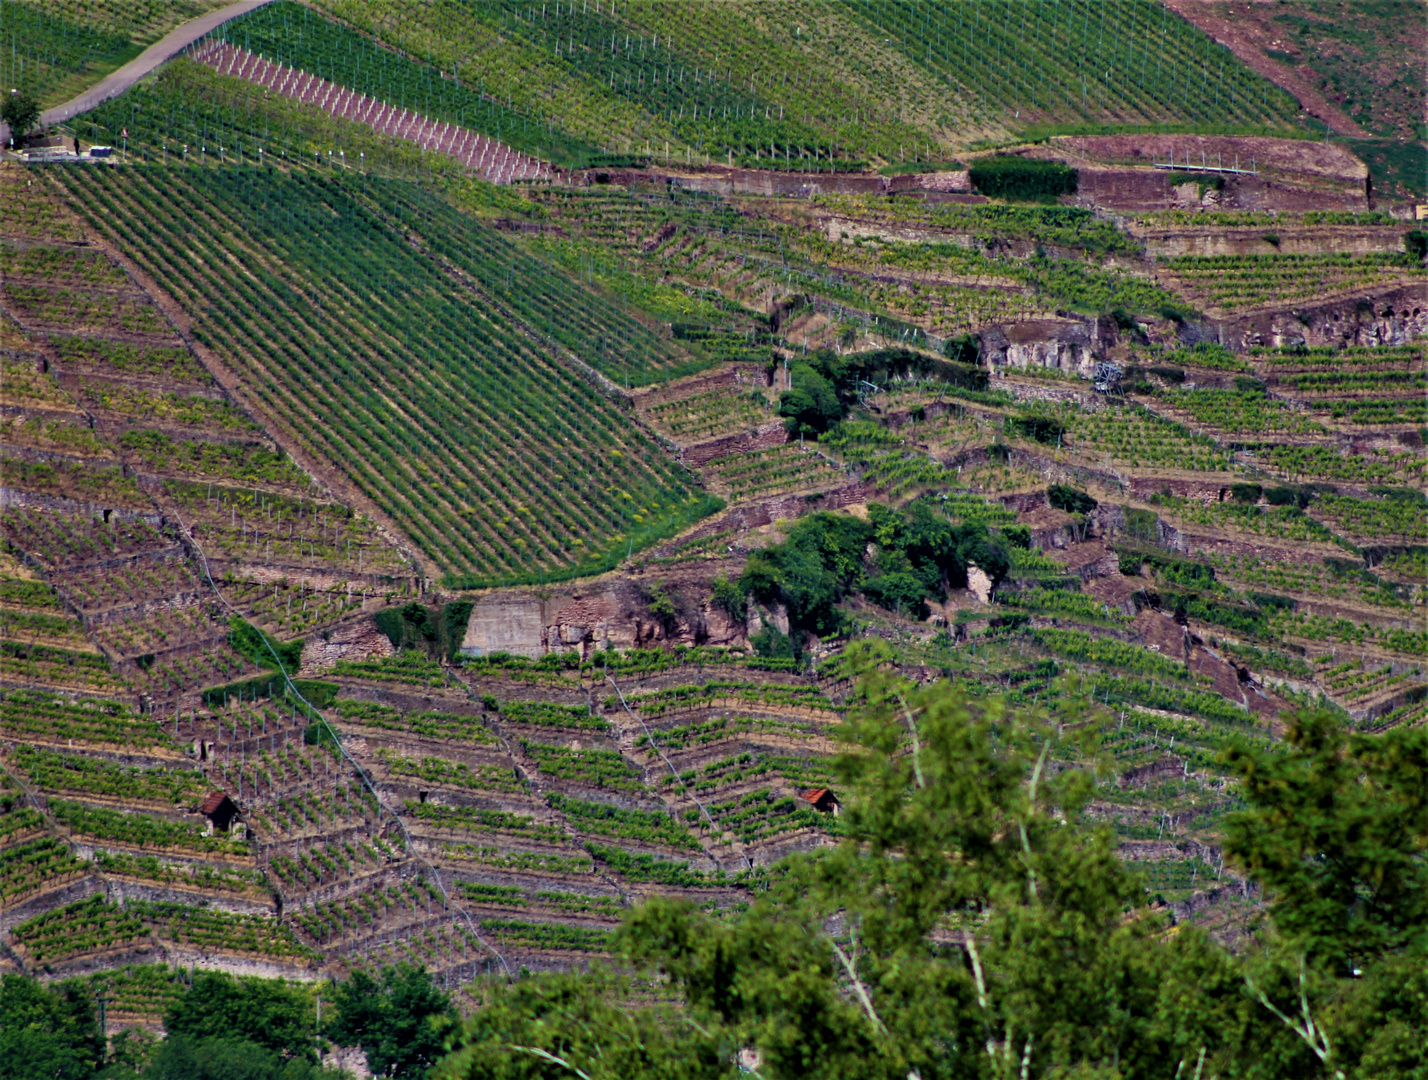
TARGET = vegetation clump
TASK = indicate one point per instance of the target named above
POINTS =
(918, 555)
(1020, 179)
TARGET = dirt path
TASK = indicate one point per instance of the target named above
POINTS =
(1239, 38)
(115, 83)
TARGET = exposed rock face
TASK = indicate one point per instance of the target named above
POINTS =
(978, 584)
(1068, 346)
(505, 623)
(1392, 317)
(616, 614)
(735, 181)
(350, 1059)
(357, 640)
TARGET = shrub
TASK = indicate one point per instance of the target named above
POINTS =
(812, 406)
(437, 631)
(1246, 493)
(1288, 496)
(262, 649)
(901, 592)
(1141, 524)
(1169, 374)
(1007, 176)
(1069, 499)
(773, 644)
(728, 596)
(917, 550)
(963, 348)
(1043, 429)
(1017, 536)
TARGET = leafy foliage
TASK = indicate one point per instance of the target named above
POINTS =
(1337, 829)
(21, 112)
(826, 385)
(271, 1014)
(962, 929)
(920, 555)
(1007, 176)
(400, 1019)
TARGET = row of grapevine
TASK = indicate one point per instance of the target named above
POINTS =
(1070, 62)
(41, 50)
(487, 157)
(295, 36)
(653, 79)
(92, 924)
(468, 374)
(1241, 282)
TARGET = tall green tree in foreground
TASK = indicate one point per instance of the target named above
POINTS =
(973, 923)
(46, 1033)
(400, 1020)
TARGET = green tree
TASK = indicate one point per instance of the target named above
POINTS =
(1337, 833)
(400, 1020)
(22, 112)
(812, 406)
(270, 1013)
(812, 571)
(558, 1026)
(973, 922)
(181, 1058)
(46, 1034)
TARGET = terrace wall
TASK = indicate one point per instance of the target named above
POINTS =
(1391, 317)
(122, 890)
(722, 180)
(47, 902)
(30, 500)
(1366, 240)
(1119, 187)
(744, 442)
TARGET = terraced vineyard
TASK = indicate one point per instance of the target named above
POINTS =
(403, 567)
(1237, 282)
(1148, 62)
(565, 532)
(632, 77)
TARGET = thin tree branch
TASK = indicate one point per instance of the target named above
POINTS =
(1313, 1035)
(971, 943)
(1031, 798)
(858, 988)
(916, 743)
(1036, 773)
(548, 1056)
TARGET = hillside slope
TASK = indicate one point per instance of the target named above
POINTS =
(493, 549)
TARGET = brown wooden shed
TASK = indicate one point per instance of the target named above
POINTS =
(220, 810)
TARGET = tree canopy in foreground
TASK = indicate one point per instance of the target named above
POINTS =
(974, 922)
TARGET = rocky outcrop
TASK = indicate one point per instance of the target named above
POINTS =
(1070, 346)
(617, 614)
(1395, 316)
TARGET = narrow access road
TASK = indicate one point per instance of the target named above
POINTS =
(115, 83)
